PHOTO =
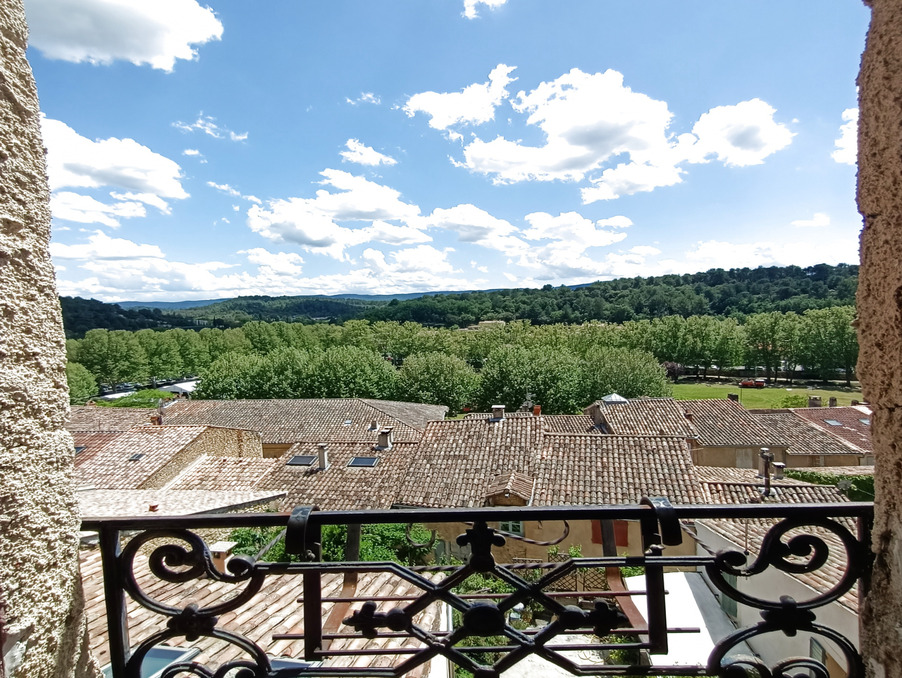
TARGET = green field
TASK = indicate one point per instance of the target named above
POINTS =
(762, 398)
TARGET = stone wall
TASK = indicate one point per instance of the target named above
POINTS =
(880, 322)
(42, 623)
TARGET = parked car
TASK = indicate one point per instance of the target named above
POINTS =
(753, 383)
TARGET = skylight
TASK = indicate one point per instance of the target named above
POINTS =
(832, 422)
(136, 456)
(866, 422)
(363, 461)
(301, 460)
(79, 449)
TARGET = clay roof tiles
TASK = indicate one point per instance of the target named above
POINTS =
(647, 416)
(804, 438)
(724, 422)
(113, 503)
(223, 473)
(94, 418)
(854, 426)
(743, 486)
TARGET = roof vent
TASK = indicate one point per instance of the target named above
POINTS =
(385, 438)
(323, 454)
(497, 412)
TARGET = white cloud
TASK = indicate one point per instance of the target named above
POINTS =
(630, 178)
(235, 193)
(718, 254)
(86, 210)
(739, 135)
(471, 6)
(147, 198)
(364, 155)
(313, 222)
(102, 31)
(364, 98)
(101, 247)
(192, 153)
(275, 263)
(473, 105)
(817, 221)
(847, 145)
(207, 125)
(475, 225)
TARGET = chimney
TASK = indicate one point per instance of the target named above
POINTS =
(536, 410)
(373, 425)
(220, 553)
(733, 396)
(831, 402)
(385, 438)
(765, 457)
(814, 401)
(323, 456)
(778, 470)
(688, 416)
(497, 412)
(855, 402)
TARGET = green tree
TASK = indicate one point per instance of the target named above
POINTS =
(627, 372)
(763, 336)
(511, 373)
(439, 379)
(193, 351)
(350, 372)
(112, 357)
(829, 341)
(164, 360)
(234, 376)
(82, 384)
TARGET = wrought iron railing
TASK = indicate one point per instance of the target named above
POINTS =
(162, 565)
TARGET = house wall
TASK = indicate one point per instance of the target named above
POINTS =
(214, 442)
(770, 585)
(879, 321)
(734, 456)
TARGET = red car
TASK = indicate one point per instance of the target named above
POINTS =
(752, 383)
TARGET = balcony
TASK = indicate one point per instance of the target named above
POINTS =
(249, 617)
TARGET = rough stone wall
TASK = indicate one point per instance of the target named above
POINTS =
(880, 322)
(44, 630)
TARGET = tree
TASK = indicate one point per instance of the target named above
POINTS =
(763, 341)
(234, 376)
(829, 341)
(164, 360)
(439, 379)
(619, 370)
(82, 384)
(511, 373)
(350, 372)
(112, 357)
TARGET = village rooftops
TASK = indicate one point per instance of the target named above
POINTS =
(642, 416)
(118, 503)
(724, 422)
(94, 418)
(847, 423)
(745, 486)
(309, 420)
(803, 438)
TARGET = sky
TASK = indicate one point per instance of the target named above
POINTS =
(202, 151)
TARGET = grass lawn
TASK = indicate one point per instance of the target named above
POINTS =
(763, 398)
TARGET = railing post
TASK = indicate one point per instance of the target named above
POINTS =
(114, 597)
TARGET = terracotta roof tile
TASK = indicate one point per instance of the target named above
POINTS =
(223, 473)
(645, 416)
(744, 486)
(852, 427)
(569, 423)
(116, 503)
(724, 422)
(803, 437)
(94, 418)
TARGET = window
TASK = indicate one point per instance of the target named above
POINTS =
(136, 456)
(158, 658)
(832, 422)
(512, 527)
(364, 462)
(866, 422)
(816, 651)
(79, 449)
(301, 460)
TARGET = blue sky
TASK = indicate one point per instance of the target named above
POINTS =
(281, 147)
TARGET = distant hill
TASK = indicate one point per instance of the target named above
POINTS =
(81, 315)
(169, 305)
(717, 292)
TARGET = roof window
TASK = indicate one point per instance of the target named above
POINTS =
(832, 422)
(866, 422)
(346, 422)
(301, 460)
(79, 449)
(363, 462)
(136, 456)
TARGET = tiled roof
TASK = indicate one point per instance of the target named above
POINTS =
(647, 416)
(340, 487)
(842, 470)
(223, 473)
(569, 423)
(615, 469)
(488, 415)
(802, 437)
(852, 428)
(117, 465)
(743, 486)
(724, 422)
(513, 483)
(291, 421)
(415, 415)
(91, 442)
(114, 503)
(456, 461)
(95, 418)
(748, 534)
(273, 610)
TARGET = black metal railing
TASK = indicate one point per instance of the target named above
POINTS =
(165, 568)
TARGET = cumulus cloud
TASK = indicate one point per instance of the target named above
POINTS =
(364, 155)
(102, 31)
(314, 224)
(275, 263)
(718, 254)
(101, 247)
(817, 221)
(847, 145)
(86, 210)
(739, 135)
(235, 193)
(364, 98)
(206, 124)
(74, 161)
(474, 225)
(473, 105)
(471, 6)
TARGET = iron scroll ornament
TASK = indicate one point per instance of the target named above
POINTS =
(176, 564)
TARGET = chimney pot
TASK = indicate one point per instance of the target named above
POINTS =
(831, 402)
(323, 456)
(778, 470)
(220, 552)
(373, 425)
(536, 410)
(497, 411)
(385, 438)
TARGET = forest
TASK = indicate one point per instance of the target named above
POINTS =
(721, 293)
(562, 367)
